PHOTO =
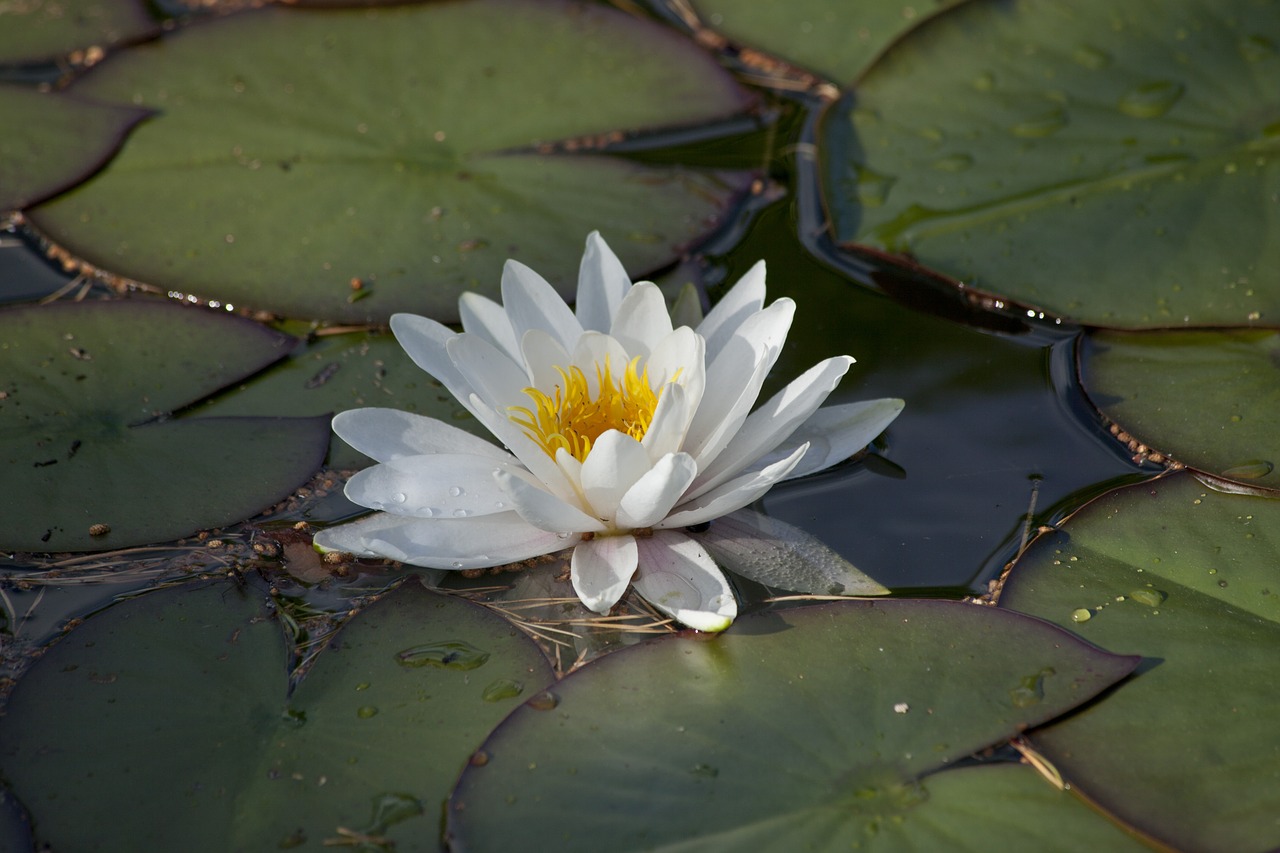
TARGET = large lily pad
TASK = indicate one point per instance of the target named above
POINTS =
(299, 150)
(85, 433)
(179, 697)
(1115, 165)
(796, 729)
(1187, 577)
(1208, 399)
(52, 141)
(47, 30)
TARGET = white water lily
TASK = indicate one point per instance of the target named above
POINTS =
(621, 431)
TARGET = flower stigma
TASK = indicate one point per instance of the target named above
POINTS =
(574, 418)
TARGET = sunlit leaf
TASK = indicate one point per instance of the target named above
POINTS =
(180, 699)
(1113, 164)
(89, 456)
(300, 153)
(796, 729)
(1189, 579)
(48, 30)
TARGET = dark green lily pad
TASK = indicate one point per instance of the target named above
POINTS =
(837, 40)
(52, 141)
(48, 30)
(1114, 165)
(1188, 578)
(796, 729)
(1208, 399)
(179, 696)
(85, 433)
(301, 150)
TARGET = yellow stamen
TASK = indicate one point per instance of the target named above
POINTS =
(573, 418)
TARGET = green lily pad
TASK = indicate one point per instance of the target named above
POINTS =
(48, 30)
(179, 697)
(1208, 399)
(1114, 165)
(86, 437)
(837, 40)
(796, 729)
(1188, 578)
(314, 148)
(52, 142)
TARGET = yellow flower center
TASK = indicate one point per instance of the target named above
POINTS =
(574, 418)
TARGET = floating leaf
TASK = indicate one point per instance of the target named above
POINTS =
(52, 141)
(299, 151)
(91, 459)
(1115, 165)
(178, 700)
(1208, 399)
(796, 729)
(1188, 578)
(48, 30)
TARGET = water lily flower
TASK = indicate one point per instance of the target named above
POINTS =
(621, 431)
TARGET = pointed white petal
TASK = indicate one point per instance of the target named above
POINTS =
(425, 340)
(687, 309)
(386, 434)
(601, 569)
(498, 380)
(743, 300)
(835, 433)
(679, 578)
(543, 509)
(453, 543)
(542, 354)
(602, 284)
(732, 495)
(531, 303)
(680, 356)
(593, 352)
(653, 495)
(768, 426)
(642, 319)
(436, 485)
(486, 318)
(615, 463)
(669, 424)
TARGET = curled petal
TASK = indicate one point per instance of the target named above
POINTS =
(653, 495)
(601, 569)
(615, 463)
(835, 433)
(732, 495)
(543, 509)
(386, 434)
(679, 578)
(642, 319)
(602, 284)
(670, 422)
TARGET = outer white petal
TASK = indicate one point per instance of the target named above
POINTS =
(732, 495)
(615, 463)
(743, 300)
(436, 485)
(602, 284)
(542, 354)
(386, 434)
(498, 380)
(465, 543)
(679, 578)
(835, 433)
(543, 509)
(642, 319)
(486, 318)
(531, 303)
(425, 340)
(681, 353)
(670, 422)
(653, 495)
(601, 569)
(593, 350)
(768, 426)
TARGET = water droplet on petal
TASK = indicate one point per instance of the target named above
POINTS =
(1151, 100)
(456, 491)
(499, 505)
(457, 564)
(399, 497)
(461, 513)
(426, 511)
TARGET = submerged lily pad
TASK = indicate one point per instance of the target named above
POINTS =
(89, 455)
(1208, 399)
(48, 30)
(299, 151)
(1114, 165)
(796, 729)
(1188, 578)
(180, 699)
(52, 141)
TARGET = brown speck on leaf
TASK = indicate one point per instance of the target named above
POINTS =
(99, 529)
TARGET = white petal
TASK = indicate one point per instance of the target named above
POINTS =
(425, 340)
(669, 424)
(768, 426)
(835, 433)
(601, 569)
(743, 300)
(653, 495)
(642, 319)
(593, 352)
(492, 374)
(616, 461)
(386, 434)
(678, 577)
(463, 543)
(531, 303)
(680, 354)
(530, 454)
(543, 509)
(486, 318)
(602, 284)
(732, 495)
(542, 354)
(437, 485)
